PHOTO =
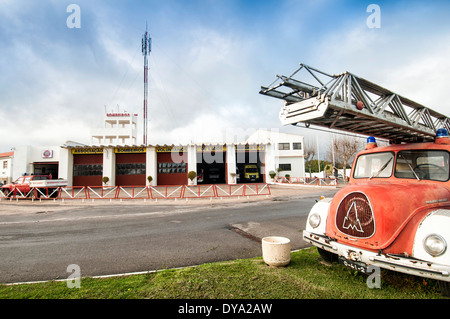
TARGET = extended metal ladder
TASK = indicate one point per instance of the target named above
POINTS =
(350, 103)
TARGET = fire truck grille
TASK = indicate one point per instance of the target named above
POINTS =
(355, 216)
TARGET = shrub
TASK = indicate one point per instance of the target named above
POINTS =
(192, 175)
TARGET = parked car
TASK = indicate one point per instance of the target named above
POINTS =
(251, 173)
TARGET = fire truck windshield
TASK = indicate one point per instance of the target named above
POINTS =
(374, 165)
(423, 164)
(411, 164)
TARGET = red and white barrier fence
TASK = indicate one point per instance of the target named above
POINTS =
(137, 192)
(316, 181)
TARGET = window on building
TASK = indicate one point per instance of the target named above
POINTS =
(285, 167)
(130, 169)
(87, 170)
(297, 146)
(283, 146)
(5, 164)
(171, 168)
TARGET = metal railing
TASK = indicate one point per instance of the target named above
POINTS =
(135, 192)
(316, 181)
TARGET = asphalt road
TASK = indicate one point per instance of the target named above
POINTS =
(123, 238)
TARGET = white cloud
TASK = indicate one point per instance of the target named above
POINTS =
(418, 69)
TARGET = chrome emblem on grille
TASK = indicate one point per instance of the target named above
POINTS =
(352, 220)
(355, 217)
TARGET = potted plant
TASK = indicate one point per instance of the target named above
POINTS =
(279, 169)
(191, 176)
(149, 178)
(272, 175)
(105, 180)
(233, 178)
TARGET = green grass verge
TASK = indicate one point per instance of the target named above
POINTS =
(305, 277)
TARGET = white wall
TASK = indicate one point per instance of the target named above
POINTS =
(192, 160)
(109, 165)
(151, 166)
(231, 163)
(21, 164)
(294, 157)
(66, 165)
(25, 156)
(6, 173)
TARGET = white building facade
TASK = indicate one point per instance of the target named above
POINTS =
(6, 160)
(41, 160)
(131, 165)
(287, 151)
(119, 128)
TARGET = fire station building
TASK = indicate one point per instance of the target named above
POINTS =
(167, 164)
(114, 154)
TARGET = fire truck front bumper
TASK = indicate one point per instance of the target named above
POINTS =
(360, 259)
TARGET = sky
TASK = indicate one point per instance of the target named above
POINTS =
(208, 61)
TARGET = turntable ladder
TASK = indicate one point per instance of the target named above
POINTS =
(349, 103)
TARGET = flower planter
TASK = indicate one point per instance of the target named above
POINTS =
(276, 251)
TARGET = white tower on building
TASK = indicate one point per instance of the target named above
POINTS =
(119, 129)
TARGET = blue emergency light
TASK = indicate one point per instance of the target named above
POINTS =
(371, 142)
(442, 132)
(371, 139)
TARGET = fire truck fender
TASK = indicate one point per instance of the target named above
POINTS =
(433, 237)
(317, 218)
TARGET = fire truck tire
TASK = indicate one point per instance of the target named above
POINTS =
(444, 287)
(327, 256)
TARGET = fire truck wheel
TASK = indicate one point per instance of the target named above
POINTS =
(327, 256)
(444, 287)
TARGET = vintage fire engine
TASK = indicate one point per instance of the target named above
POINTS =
(33, 186)
(395, 211)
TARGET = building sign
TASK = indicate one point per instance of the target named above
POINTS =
(130, 150)
(47, 154)
(253, 147)
(118, 114)
(92, 150)
(170, 149)
(210, 148)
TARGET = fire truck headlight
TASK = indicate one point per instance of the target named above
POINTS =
(435, 245)
(314, 220)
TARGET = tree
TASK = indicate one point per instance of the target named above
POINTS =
(312, 166)
(310, 153)
(345, 148)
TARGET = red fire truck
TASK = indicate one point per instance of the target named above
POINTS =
(395, 211)
(33, 186)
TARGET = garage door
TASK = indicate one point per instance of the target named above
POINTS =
(87, 169)
(130, 169)
(250, 159)
(211, 164)
(172, 170)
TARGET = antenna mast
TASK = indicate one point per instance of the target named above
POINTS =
(146, 49)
